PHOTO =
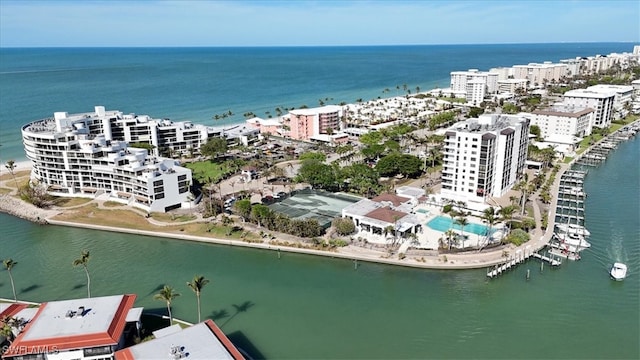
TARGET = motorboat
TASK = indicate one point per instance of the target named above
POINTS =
(618, 271)
(573, 229)
(573, 240)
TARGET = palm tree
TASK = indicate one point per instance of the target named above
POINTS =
(450, 234)
(507, 214)
(167, 294)
(196, 285)
(9, 264)
(489, 216)
(462, 221)
(11, 166)
(83, 261)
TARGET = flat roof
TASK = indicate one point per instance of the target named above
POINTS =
(412, 191)
(361, 208)
(55, 325)
(200, 341)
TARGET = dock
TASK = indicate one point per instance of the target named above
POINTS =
(519, 258)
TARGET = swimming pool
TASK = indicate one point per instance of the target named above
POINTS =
(423, 211)
(443, 223)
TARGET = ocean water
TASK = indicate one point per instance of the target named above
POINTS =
(304, 307)
(197, 83)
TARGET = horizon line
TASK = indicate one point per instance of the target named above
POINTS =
(306, 46)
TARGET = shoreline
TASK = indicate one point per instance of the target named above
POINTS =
(450, 261)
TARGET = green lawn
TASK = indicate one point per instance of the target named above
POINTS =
(203, 170)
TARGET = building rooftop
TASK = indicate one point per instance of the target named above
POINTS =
(386, 214)
(75, 324)
(316, 111)
(564, 110)
(362, 207)
(484, 123)
(392, 198)
(590, 93)
(201, 341)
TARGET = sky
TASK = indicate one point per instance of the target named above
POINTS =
(159, 23)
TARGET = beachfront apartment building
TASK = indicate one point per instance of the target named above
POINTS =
(81, 329)
(538, 74)
(511, 85)
(168, 138)
(483, 156)
(474, 85)
(562, 119)
(304, 124)
(79, 156)
(600, 100)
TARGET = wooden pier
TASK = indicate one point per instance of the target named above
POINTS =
(518, 259)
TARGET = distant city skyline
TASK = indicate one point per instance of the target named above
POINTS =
(68, 23)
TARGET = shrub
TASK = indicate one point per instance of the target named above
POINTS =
(343, 226)
(517, 237)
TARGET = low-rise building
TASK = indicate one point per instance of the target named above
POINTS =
(600, 101)
(623, 97)
(563, 119)
(89, 328)
(200, 341)
(386, 214)
(306, 123)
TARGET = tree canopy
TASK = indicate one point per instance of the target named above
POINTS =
(395, 163)
(214, 147)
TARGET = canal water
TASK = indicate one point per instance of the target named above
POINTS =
(299, 306)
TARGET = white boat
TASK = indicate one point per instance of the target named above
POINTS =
(573, 240)
(618, 271)
(573, 229)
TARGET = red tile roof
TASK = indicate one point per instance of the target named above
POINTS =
(386, 214)
(394, 199)
(110, 337)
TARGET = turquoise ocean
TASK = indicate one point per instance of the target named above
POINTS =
(304, 307)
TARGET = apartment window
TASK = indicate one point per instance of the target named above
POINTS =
(159, 196)
(157, 183)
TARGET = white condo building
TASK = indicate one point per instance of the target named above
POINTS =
(623, 97)
(539, 74)
(474, 84)
(484, 156)
(563, 120)
(601, 101)
(83, 155)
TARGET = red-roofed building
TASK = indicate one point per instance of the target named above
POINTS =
(392, 198)
(200, 341)
(89, 328)
(7, 310)
(374, 218)
(386, 214)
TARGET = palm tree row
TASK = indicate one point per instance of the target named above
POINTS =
(168, 294)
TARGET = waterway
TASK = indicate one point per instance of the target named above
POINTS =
(299, 306)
